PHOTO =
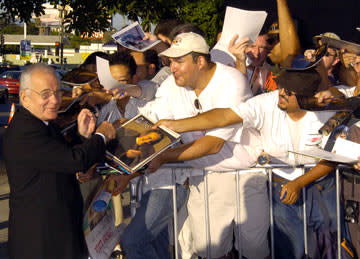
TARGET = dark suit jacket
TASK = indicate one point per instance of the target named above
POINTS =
(45, 202)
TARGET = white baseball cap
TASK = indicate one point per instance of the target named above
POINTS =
(185, 43)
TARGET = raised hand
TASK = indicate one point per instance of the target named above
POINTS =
(86, 123)
(238, 49)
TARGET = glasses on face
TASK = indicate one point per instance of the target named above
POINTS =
(47, 93)
(198, 105)
(287, 92)
(328, 54)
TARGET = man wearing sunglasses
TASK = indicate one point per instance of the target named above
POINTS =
(283, 127)
(195, 86)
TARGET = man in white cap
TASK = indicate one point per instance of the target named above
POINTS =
(195, 86)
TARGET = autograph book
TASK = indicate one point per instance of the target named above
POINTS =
(136, 144)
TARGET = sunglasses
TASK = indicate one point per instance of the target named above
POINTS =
(287, 91)
(198, 105)
(327, 54)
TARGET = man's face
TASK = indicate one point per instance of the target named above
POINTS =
(258, 51)
(33, 99)
(330, 59)
(142, 69)
(184, 69)
(121, 73)
(287, 101)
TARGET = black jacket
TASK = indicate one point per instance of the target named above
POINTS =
(45, 202)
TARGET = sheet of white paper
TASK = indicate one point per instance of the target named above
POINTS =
(288, 173)
(242, 22)
(322, 154)
(347, 148)
(104, 74)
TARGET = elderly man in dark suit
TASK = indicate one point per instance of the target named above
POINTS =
(45, 202)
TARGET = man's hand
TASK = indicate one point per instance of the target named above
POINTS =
(76, 92)
(290, 192)
(84, 177)
(86, 123)
(121, 181)
(155, 164)
(122, 92)
(98, 97)
(108, 130)
(170, 124)
(150, 36)
(117, 124)
(324, 97)
(357, 165)
(238, 49)
(309, 55)
(350, 59)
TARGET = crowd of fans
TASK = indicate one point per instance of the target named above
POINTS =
(228, 117)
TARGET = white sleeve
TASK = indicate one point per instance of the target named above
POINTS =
(252, 111)
(346, 90)
(158, 108)
(235, 91)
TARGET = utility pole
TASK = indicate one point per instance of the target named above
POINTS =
(62, 12)
(25, 30)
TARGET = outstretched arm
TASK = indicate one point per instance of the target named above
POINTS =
(293, 188)
(206, 145)
(216, 118)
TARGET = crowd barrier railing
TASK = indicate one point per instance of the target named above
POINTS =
(135, 193)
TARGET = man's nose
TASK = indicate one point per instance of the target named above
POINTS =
(172, 67)
(54, 98)
(282, 91)
(256, 52)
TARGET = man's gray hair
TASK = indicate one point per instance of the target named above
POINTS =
(25, 78)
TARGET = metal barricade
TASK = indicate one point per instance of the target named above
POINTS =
(267, 169)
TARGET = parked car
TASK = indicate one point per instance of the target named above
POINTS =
(11, 79)
(7, 67)
(4, 94)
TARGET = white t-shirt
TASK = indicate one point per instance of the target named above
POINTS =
(227, 88)
(262, 113)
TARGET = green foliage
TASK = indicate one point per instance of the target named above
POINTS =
(208, 15)
(87, 15)
(76, 41)
(21, 9)
(17, 29)
(93, 15)
(149, 11)
(13, 29)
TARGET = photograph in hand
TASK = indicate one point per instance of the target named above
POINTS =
(137, 143)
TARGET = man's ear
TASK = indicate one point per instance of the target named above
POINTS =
(151, 69)
(24, 99)
(201, 62)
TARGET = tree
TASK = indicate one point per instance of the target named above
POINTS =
(21, 10)
(208, 15)
(149, 11)
(94, 15)
(17, 29)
